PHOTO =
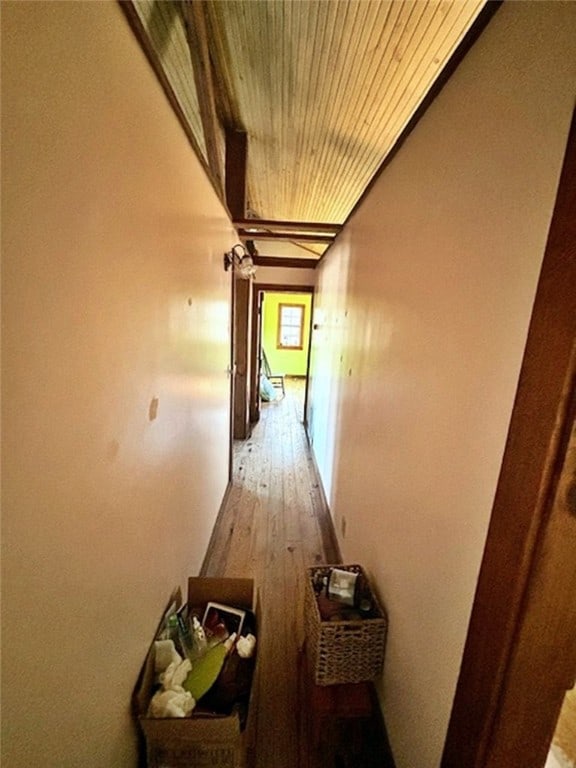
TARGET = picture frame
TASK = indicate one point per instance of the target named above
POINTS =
(222, 620)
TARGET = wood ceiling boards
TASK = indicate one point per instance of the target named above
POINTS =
(323, 90)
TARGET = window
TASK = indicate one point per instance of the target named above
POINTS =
(290, 326)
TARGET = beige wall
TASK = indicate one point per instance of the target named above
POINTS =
(285, 276)
(423, 307)
(113, 294)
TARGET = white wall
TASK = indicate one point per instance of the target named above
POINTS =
(285, 275)
(113, 294)
(423, 310)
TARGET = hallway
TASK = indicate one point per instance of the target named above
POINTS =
(273, 525)
(116, 339)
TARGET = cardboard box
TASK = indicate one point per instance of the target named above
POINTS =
(203, 740)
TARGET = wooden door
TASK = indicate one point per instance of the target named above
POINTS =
(545, 642)
(257, 307)
(520, 654)
(242, 299)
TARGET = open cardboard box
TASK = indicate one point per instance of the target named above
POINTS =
(203, 740)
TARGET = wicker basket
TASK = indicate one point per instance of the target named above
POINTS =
(343, 651)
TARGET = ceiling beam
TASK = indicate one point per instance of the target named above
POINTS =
(300, 226)
(293, 236)
(235, 175)
(279, 261)
(197, 36)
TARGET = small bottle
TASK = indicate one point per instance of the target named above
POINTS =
(363, 597)
(365, 607)
(317, 583)
(172, 632)
(184, 635)
(199, 641)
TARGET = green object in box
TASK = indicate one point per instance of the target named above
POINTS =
(205, 671)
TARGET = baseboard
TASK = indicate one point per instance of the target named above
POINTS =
(384, 747)
(212, 542)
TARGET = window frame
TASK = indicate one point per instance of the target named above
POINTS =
(281, 325)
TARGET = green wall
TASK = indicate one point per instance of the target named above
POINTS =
(292, 362)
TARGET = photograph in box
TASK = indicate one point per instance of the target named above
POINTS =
(222, 620)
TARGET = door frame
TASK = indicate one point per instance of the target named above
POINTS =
(255, 351)
(512, 682)
(232, 375)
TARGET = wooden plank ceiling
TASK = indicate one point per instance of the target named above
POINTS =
(323, 90)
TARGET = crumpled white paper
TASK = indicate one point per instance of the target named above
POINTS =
(171, 700)
(164, 654)
(245, 646)
(171, 704)
(175, 674)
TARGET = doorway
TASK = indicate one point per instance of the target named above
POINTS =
(281, 334)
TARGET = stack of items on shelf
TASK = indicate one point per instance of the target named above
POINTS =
(192, 699)
(345, 625)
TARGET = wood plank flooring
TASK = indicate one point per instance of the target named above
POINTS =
(274, 525)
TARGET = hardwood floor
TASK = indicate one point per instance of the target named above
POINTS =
(272, 526)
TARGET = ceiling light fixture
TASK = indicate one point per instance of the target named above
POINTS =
(241, 262)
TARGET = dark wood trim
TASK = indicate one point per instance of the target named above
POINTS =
(197, 36)
(308, 368)
(242, 357)
(231, 377)
(299, 226)
(283, 288)
(385, 749)
(285, 236)
(213, 543)
(482, 717)
(254, 393)
(254, 367)
(235, 170)
(329, 538)
(279, 261)
(144, 41)
(459, 54)
(300, 345)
